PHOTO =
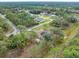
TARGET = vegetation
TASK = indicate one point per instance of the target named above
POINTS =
(22, 18)
(39, 29)
(72, 50)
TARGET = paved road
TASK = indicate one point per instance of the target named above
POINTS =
(30, 29)
(16, 31)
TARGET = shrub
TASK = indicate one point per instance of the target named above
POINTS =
(3, 48)
(71, 52)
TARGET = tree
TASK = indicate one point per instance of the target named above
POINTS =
(21, 27)
(21, 19)
(46, 35)
(56, 23)
(35, 11)
(60, 23)
(60, 12)
(72, 19)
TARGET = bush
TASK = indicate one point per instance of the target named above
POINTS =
(3, 49)
(17, 41)
(57, 36)
(41, 49)
(75, 42)
(21, 40)
(64, 25)
(71, 52)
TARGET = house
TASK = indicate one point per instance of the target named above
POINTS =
(74, 11)
(38, 19)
